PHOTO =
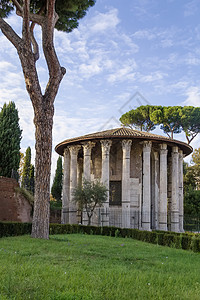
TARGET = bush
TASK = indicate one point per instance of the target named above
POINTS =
(186, 242)
(14, 228)
(169, 240)
(195, 244)
(160, 238)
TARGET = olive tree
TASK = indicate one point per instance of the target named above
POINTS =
(88, 195)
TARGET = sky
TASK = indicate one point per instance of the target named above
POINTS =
(124, 54)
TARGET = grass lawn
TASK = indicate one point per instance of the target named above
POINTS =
(79, 266)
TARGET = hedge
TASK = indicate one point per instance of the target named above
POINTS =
(186, 241)
(14, 228)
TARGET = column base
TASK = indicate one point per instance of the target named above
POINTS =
(65, 215)
(146, 226)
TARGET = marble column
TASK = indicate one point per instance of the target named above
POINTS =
(66, 184)
(181, 211)
(162, 219)
(105, 148)
(146, 205)
(126, 149)
(155, 189)
(175, 191)
(87, 148)
(73, 183)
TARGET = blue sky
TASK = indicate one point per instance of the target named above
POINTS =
(124, 54)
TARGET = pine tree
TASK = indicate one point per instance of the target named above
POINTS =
(10, 137)
(47, 15)
(26, 169)
(56, 189)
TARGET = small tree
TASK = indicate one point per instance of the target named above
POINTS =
(56, 189)
(89, 195)
(10, 137)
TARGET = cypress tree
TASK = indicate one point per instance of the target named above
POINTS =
(26, 169)
(56, 189)
(10, 137)
(32, 179)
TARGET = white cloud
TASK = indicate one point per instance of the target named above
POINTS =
(156, 76)
(193, 96)
(123, 73)
(102, 22)
(191, 8)
(192, 60)
(144, 34)
(5, 65)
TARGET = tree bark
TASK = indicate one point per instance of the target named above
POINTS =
(43, 135)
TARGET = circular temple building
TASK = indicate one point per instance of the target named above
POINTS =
(143, 173)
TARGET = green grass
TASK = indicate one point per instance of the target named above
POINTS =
(76, 266)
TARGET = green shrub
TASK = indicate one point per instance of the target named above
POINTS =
(186, 242)
(14, 228)
(29, 197)
(152, 237)
(195, 244)
(160, 238)
(135, 233)
(117, 233)
(169, 240)
(178, 239)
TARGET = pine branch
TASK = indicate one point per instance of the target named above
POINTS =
(10, 34)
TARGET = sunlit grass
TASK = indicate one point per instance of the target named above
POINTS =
(95, 267)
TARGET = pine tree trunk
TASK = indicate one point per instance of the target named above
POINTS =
(43, 136)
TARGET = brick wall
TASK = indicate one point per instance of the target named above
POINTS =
(13, 206)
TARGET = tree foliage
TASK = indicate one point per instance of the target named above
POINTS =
(171, 119)
(139, 118)
(168, 117)
(28, 172)
(89, 195)
(56, 189)
(190, 122)
(48, 14)
(69, 11)
(10, 137)
(192, 185)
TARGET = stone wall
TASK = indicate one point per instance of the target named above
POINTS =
(13, 205)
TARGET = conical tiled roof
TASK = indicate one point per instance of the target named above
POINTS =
(122, 133)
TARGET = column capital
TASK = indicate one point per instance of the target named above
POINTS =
(147, 146)
(181, 155)
(156, 155)
(126, 145)
(66, 151)
(105, 145)
(88, 145)
(163, 148)
(74, 149)
(175, 150)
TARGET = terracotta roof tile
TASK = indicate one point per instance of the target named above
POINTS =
(122, 132)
